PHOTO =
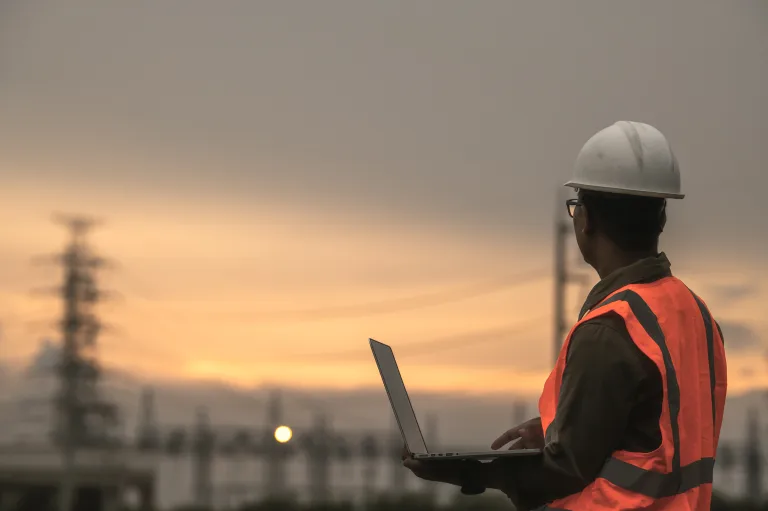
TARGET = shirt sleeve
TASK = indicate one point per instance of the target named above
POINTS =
(603, 371)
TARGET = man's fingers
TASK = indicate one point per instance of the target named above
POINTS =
(523, 443)
(527, 435)
(508, 436)
(532, 432)
(528, 440)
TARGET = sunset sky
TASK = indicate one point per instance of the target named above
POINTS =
(280, 181)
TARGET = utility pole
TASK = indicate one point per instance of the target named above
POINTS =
(563, 277)
(2, 366)
(319, 453)
(370, 452)
(147, 436)
(560, 282)
(431, 427)
(396, 453)
(203, 449)
(726, 459)
(754, 460)
(276, 452)
(82, 417)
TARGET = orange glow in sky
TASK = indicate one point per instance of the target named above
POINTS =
(209, 294)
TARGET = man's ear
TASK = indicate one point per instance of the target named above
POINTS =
(663, 217)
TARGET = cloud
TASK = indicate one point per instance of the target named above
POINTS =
(321, 105)
(738, 336)
(734, 292)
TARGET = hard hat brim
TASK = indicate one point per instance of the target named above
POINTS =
(624, 191)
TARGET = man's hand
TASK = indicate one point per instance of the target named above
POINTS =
(443, 471)
(528, 435)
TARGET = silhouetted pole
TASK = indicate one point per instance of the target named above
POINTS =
(148, 435)
(434, 445)
(319, 451)
(725, 462)
(275, 451)
(203, 461)
(396, 452)
(753, 459)
(370, 451)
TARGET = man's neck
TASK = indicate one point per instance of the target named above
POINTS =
(621, 260)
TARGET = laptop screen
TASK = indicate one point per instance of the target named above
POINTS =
(398, 397)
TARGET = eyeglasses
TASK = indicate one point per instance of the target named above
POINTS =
(571, 204)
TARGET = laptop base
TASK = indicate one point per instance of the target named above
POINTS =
(483, 455)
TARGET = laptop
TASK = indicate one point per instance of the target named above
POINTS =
(406, 418)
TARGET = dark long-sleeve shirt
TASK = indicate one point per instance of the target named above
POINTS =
(610, 399)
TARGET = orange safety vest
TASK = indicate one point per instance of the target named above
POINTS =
(673, 327)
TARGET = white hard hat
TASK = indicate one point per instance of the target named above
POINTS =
(629, 158)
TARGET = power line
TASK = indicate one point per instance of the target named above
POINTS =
(472, 339)
(466, 339)
(402, 304)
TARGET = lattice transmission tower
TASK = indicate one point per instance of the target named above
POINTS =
(82, 417)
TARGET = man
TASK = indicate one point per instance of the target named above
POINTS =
(631, 413)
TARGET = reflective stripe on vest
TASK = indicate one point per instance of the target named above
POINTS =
(680, 479)
(710, 348)
(653, 483)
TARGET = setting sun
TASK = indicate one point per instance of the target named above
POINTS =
(283, 434)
